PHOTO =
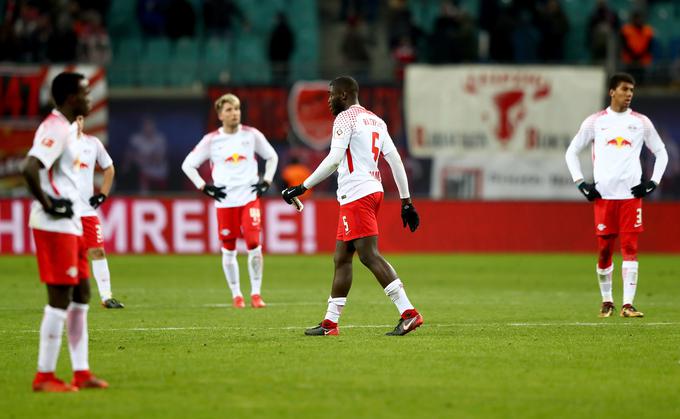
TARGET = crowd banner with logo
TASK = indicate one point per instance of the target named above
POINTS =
(180, 226)
(25, 101)
(498, 124)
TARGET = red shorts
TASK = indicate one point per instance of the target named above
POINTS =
(92, 232)
(359, 218)
(234, 222)
(614, 216)
(62, 257)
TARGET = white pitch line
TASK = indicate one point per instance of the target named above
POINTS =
(365, 326)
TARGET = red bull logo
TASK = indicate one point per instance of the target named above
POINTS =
(79, 164)
(619, 142)
(235, 158)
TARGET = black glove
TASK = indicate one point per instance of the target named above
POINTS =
(588, 190)
(260, 188)
(97, 200)
(215, 192)
(61, 208)
(290, 193)
(410, 217)
(643, 189)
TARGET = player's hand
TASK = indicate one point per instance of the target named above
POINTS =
(643, 189)
(215, 192)
(588, 190)
(260, 188)
(60, 208)
(290, 193)
(409, 216)
(97, 200)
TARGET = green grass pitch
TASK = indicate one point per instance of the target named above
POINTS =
(504, 336)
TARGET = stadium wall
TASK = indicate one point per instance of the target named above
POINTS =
(184, 226)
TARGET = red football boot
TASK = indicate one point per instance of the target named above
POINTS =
(239, 302)
(48, 383)
(85, 379)
(256, 301)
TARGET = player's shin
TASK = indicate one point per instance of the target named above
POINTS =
(231, 272)
(629, 271)
(51, 329)
(335, 307)
(255, 268)
(395, 290)
(604, 278)
(78, 336)
(100, 271)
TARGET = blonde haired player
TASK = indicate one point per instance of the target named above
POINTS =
(51, 170)
(236, 188)
(616, 136)
(359, 139)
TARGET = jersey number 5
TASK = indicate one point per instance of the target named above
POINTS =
(376, 150)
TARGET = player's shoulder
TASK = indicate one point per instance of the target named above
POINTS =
(250, 130)
(56, 122)
(349, 116)
(644, 118)
(211, 135)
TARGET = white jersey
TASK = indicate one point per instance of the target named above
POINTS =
(232, 161)
(93, 153)
(363, 136)
(58, 148)
(616, 140)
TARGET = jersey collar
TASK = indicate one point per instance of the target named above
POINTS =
(612, 112)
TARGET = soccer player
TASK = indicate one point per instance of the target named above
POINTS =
(359, 138)
(94, 153)
(51, 170)
(616, 136)
(236, 189)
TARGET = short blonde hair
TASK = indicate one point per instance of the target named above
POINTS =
(227, 98)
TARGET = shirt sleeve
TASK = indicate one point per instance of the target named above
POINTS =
(49, 142)
(656, 146)
(267, 152)
(583, 138)
(103, 158)
(194, 159)
(388, 145)
(342, 131)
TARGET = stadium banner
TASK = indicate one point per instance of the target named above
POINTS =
(24, 102)
(188, 226)
(509, 124)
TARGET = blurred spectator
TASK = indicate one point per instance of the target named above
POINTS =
(636, 46)
(146, 155)
(94, 45)
(180, 19)
(151, 15)
(501, 47)
(525, 38)
(603, 24)
(295, 173)
(553, 26)
(354, 48)
(365, 9)
(9, 44)
(443, 39)
(400, 24)
(403, 54)
(281, 45)
(32, 30)
(219, 17)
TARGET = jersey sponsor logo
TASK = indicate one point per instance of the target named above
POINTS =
(235, 158)
(47, 142)
(77, 164)
(72, 271)
(619, 142)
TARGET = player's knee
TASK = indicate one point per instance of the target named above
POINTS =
(369, 258)
(229, 245)
(96, 253)
(629, 248)
(252, 239)
(81, 292)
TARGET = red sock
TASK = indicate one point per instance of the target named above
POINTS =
(327, 324)
(407, 314)
(44, 376)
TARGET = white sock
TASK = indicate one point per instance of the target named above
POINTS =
(100, 270)
(76, 327)
(395, 290)
(604, 277)
(255, 262)
(629, 272)
(230, 266)
(335, 306)
(51, 328)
